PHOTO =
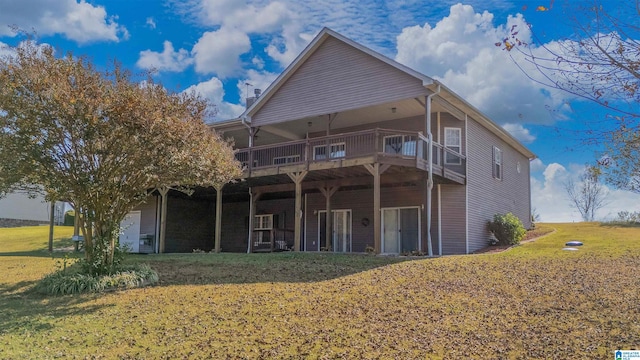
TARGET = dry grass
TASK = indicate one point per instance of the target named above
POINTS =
(532, 302)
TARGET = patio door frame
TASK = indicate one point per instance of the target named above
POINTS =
(399, 222)
(348, 226)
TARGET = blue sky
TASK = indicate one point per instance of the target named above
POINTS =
(215, 47)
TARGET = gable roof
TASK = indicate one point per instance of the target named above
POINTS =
(427, 82)
(324, 34)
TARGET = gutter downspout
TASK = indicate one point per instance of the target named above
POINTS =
(430, 162)
(249, 165)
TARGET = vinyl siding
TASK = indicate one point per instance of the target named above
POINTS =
(489, 196)
(148, 215)
(360, 202)
(453, 219)
(337, 77)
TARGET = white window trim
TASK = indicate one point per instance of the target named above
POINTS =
(497, 163)
(333, 211)
(458, 160)
(258, 222)
(331, 147)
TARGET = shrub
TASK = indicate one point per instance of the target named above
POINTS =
(66, 281)
(508, 229)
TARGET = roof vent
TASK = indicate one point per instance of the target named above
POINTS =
(257, 92)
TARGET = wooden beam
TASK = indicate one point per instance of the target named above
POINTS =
(377, 226)
(281, 132)
(163, 217)
(254, 196)
(52, 214)
(328, 193)
(357, 181)
(297, 232)
(218, 233)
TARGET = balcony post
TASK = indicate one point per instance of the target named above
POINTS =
(163, 217)
(328, 193)
(218, 233)
(376, 170)
(297, 178)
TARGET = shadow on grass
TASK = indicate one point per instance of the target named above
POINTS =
(61, 248)
(227, 268)
(24, 311)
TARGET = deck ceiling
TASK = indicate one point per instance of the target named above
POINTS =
(298, 129)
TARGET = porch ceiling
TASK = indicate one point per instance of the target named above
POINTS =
(298, 129)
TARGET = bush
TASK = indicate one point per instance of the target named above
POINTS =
(508, 229)
(66, 281)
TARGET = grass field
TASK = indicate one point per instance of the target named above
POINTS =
(534, 301)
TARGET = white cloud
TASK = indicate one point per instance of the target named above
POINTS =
(537, 165)
(244, 17)
(520, 132)
(550, 200)
(218, 52)
(167, 60)
(460, 51)
(213, 90)
(78, 21)
(258, 80)
(151, 23)
(289, 44)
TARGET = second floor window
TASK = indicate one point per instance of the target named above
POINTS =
(497, 163)
(337, 150)
(452, 141)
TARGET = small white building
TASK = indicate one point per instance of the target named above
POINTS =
(18, 209)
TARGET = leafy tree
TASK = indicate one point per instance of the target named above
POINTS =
(101, 141)
(599, 62)
(587, 196)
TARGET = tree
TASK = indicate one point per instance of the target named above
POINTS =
(599, 62)
(101, 141)
(587, 196)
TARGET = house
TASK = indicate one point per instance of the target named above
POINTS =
(350, 151)
(20, 209)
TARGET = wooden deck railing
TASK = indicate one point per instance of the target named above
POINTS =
(374, 142)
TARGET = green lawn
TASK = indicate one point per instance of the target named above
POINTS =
(534, 301)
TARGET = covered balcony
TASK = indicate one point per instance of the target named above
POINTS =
(382, 146)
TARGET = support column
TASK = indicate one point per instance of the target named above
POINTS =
(163, 217)
(253, 199)
(218, 232)
(376, 170)
(52, 215)
(328, 193)
(297, 232)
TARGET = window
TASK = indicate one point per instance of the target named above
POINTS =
(281, 160)
(497, 163)
(452, 141)
(263, 222)
(400, 144)
(337, 150)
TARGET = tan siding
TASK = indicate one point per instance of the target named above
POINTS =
(337, 77)
(453, 219)
(488, 196)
